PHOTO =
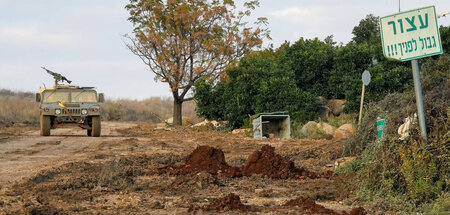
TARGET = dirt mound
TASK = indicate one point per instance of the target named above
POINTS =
(310, 207)
(267, 162)
(204, 159)
(358, 211)
(231, 202)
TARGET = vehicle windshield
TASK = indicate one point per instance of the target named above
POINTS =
(69, 96)
(55, 96)
(84, 96)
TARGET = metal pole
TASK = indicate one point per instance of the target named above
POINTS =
(419, 99)
(361, 106)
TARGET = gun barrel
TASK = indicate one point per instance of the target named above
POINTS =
(48, 71)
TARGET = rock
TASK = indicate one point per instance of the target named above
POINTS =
(316, 130)
(309, 129)
(323, 109)
(336, 106)
(326, 129)
(344, 131)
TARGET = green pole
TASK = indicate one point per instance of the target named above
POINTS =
(419, 99)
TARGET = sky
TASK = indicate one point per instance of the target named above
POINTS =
(83, 39)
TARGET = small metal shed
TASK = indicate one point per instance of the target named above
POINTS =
(277, 123)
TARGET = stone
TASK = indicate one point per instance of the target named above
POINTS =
(344, 131)
(326, 128)
(316, 130)
(336, 106)
(309, 129)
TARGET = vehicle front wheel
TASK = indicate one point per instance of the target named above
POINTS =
(45, 125)
(96, 126)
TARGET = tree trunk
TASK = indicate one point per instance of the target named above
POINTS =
(177, 108)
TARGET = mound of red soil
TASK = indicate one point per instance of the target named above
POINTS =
(204, 159)
(267, 162)
(310, 207)
(231, 202)
(358, 211)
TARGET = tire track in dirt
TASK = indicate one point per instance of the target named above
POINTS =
(25, 155)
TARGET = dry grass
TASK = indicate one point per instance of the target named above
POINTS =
(153, 109)
(20, 107)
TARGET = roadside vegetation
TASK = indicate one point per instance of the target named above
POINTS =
(20, 107)
(408, 175)
(292, 77)
(405, 176)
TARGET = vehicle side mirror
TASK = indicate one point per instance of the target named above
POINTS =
(38, 97)
(101, 97)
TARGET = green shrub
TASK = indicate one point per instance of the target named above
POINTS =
(409, 172)
(258, 84)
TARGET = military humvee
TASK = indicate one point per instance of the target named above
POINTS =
(69, 105)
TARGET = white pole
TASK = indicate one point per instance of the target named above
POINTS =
(361, 106)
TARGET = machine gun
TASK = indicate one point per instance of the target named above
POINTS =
(58, 77)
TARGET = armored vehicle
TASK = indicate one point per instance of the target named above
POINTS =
(65, 105)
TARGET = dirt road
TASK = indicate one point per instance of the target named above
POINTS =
(28, 153)
(120, 172)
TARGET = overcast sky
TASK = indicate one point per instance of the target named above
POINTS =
(83, 40)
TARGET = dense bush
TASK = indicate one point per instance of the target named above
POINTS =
(311, 62)
(408, 173)
(263, 81)
(258, 84)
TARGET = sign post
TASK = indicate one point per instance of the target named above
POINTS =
(419, 99)
(366, 80)
(411, 35)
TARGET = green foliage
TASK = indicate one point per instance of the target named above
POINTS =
(311, 61)
(408, 172)
(440, 206)
(419, 172)
(258, 84)
(318, 68)
(368, 30)
(337, 121)
(445, 37)
(365, 52)
(345, 79)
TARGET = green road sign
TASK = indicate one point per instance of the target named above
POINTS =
(411, 34)
(380, 127)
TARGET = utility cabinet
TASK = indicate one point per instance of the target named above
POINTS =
(277, 125)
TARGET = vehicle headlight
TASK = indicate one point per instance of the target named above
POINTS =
(57, 111)
(84, 111)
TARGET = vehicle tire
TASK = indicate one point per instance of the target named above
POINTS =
(96, 126)
(45, 125)
(89, 132)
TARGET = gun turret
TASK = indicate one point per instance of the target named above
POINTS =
(58, 77)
